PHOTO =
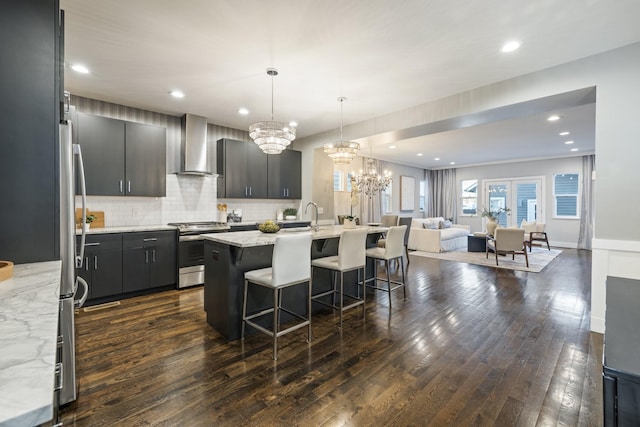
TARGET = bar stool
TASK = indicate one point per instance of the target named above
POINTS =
(393, 249)
(289, 266)
(351, 256)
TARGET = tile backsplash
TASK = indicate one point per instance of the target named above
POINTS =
(189, 198)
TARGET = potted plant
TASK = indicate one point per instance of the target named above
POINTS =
(290, 213)
(88, 220)
(492, 216)
(349, 221)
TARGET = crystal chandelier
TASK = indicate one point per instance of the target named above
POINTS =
(342, 152)
(272, 137)
(370, 182)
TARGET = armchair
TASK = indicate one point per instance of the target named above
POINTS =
(508, 241)
(534, 232)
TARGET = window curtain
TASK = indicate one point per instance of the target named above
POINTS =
(586, 205)
(443, 194)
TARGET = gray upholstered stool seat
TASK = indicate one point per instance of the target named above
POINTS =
(290, 265)
(351, 256)
(393, 250)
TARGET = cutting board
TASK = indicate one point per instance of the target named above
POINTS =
(98, 222)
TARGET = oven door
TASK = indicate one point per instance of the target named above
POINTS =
(191, 251)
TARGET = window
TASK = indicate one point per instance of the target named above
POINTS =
(338, 182)
(566, 188)
(348, 184)
(469, 195)
(385, 199)
(422, 197)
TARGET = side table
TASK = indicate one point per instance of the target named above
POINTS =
(476, 243)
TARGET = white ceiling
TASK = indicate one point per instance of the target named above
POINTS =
(383, 55)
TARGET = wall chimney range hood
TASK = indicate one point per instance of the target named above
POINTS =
(194, 153)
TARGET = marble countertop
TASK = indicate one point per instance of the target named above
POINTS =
(29, 304)
(246, 239)
(127, 229)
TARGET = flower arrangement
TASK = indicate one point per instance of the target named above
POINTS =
(90, 218)
(495, 213)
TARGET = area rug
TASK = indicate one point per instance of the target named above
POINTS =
(538, 258)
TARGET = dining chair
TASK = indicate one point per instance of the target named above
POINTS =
(351, 256)
(290, 266)
(507, 241)
(393, 250)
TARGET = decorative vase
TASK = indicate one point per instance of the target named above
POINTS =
(86, 226)
(349, 223)
(492, 224)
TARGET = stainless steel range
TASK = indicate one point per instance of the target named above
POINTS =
(191, 249)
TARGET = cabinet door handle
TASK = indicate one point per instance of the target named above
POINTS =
(121, 186)
(92, 244)
(249, 190)
(284, 192)
(146, 257)
(129, 186)
(95, 262)
(153, 255)
(86, 263)
(246, 191)
(150, 239)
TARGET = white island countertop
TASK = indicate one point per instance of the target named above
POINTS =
(29, 307)
(245, 239)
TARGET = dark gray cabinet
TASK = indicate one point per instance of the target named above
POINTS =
(243, 169)
(31, 77)
(102, 265)
(246, 172)
(149, 260)
(122, 158)
(285, 175)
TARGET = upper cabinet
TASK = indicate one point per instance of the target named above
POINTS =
(122, 158)
(285, 175)
(246, 172)
(243, 169)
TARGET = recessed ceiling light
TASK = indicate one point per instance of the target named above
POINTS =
(574, 149)
(79, 68)
(553, 118)
(177, 93)
(510, 46)
(565, 133)
(243, 111)
(293, 124)
(392, 147)
(568, 142)
(436, 158)
(452, 163)
(420, 154)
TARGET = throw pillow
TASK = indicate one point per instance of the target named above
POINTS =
(429, 226)
(528, 227)
(444, 224)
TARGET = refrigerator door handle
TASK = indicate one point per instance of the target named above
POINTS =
(80, 302)
(83, 192)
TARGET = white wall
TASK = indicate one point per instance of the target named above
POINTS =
(562, 232)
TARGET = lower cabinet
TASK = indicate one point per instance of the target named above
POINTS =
(149, 260)
(102, 265)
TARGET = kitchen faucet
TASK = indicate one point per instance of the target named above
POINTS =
(315, 205)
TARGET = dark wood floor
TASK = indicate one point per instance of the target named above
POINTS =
(470, 345)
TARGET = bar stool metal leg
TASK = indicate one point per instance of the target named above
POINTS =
(276, 315)
(386, 264)
(244, 308)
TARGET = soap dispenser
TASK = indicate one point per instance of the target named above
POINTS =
(279, 215)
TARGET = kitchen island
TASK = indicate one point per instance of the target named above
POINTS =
(29, 307)
(229, 255)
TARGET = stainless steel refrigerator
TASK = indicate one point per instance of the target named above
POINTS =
(73, 289)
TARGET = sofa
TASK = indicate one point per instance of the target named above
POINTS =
(437, 235)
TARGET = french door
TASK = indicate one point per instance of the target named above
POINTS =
(523, 198)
